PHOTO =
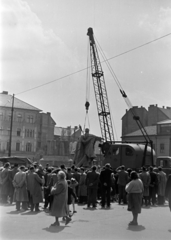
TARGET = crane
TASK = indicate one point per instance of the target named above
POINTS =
(103, 103)
(100, 91)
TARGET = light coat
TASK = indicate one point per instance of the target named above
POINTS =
(20, 192)
(60, 198)
(162, 183)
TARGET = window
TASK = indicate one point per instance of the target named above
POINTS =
(18, 132)
(1, 116)
(1, 131)
(29, 133)
(32, 133)
(19, 118)
(9, 117)
(162, 148)
(128, 152)
(18, 146)
(30, 119)
(115, 151)
(28, 147)
(8, 131)
(7, 146)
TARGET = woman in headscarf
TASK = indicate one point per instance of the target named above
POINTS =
(60, 198)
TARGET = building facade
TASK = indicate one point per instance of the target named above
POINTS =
(30, 129)
(158, 127)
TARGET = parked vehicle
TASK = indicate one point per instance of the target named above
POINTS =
(165, 163)
(19, 160)
(129, 155)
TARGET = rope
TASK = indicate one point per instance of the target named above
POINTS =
(85, 121)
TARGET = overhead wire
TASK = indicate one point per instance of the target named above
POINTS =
(128, 102)
(118, 55)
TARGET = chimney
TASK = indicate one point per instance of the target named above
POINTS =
(48, 113)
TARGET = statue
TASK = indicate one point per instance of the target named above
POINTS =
(84, 153)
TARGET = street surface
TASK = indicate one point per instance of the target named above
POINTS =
(154, 223)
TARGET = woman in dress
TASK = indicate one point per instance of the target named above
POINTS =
(135, 192)
(60, 198)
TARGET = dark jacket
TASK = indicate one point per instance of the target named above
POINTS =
(92, 179)
(70, 195)
(105, 177)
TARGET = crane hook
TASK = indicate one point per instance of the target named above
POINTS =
(87, 104)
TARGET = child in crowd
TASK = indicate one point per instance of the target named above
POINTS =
(73, 183)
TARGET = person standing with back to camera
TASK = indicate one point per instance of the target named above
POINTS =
(135, 192)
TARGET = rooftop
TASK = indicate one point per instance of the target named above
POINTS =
(6, 101)
(151, 130)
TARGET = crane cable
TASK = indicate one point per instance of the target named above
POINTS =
(87, 103)
(124, 95)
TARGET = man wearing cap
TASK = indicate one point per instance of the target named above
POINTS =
(105, 179)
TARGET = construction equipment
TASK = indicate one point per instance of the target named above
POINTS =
(116, 152)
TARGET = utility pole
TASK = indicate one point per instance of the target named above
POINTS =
(10, 140)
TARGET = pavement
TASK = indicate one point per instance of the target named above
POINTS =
(154, 223)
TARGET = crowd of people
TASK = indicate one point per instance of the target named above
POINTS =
(60, 188)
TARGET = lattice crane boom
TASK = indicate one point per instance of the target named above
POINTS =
(100, 91)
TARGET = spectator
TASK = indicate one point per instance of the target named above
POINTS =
(145, 178)
(20, 193)
(92, 181)
(153, 187)
(69, 174)
(105, 179)
(134, 189)
(12, 173)
(60, 196)
(73, 185)
(82, 188)
(161, 186)
(113, 184)
(5, 182)
(34, 187)
(47, 188)
(168, 190)
(123, 179)
(76, 176)
(71, 195)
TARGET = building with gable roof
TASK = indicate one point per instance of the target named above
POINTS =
(157, 123)
(32, 130)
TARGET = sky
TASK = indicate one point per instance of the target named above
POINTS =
(45, 42)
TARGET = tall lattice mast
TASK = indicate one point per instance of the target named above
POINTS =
(100, 91)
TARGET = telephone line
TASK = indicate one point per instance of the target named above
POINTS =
(133, 49)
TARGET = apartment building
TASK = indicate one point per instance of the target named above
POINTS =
(157, 123)
(31, 129)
